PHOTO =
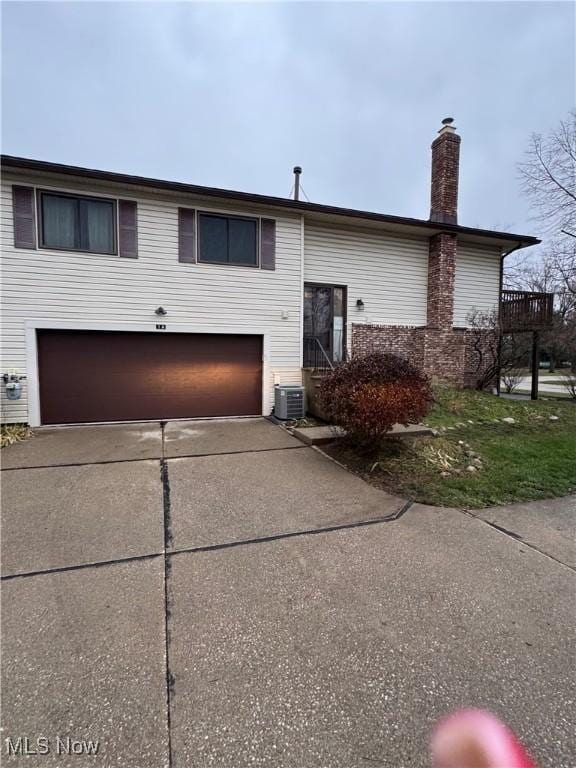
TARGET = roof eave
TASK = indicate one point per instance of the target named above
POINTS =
(297, 206)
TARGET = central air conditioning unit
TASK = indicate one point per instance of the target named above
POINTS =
(289, 401)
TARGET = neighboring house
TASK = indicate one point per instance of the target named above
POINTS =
(253, 288)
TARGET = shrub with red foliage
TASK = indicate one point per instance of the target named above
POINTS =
(367, 395)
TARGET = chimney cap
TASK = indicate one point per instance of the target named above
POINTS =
(447, 126)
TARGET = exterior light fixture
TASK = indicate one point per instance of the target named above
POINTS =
(359, 304)
(160, 311)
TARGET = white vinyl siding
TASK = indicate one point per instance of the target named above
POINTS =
(89, 288)
(477, 282)
(388, 272)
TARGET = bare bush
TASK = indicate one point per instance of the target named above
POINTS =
(569, 384)
(511, 380)
(493, 354)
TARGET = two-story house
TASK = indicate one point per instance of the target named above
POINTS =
(128, 298)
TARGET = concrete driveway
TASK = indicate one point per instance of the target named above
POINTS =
(216, 594)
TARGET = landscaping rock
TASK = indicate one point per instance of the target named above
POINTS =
(553, 418)
(470, 468)
(509, 420)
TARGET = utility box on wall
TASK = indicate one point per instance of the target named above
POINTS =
(289, 401)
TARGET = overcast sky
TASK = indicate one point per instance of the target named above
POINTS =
(234, 95)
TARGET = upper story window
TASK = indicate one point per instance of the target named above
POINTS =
(75, 223)
(228, 240)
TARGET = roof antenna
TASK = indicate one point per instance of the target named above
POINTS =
(297, 172)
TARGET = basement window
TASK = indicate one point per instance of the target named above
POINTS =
(228, 240)
(74, 223)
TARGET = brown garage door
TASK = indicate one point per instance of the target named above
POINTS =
(109, 376)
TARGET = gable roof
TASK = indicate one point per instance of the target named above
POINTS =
(312, 210)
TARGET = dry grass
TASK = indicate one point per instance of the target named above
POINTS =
(13, 433)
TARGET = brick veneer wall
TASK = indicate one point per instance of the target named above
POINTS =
(443, 354)
(402, 340)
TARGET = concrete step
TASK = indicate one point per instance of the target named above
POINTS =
(328, 433)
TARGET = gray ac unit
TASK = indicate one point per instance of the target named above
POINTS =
(289, 401)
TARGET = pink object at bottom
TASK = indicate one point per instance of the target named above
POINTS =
(474, 738)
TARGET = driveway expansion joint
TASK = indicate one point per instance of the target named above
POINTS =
(517, 538)
(295, 534)
(236, 453)
(81, 566)
(81, 464)
(167, 553)
(153, 458)
(170, 680)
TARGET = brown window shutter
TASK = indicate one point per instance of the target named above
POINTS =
(268, 244)
(128, 229)
(24, 217)
(187, 235)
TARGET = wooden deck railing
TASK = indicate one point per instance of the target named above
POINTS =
(525, 311)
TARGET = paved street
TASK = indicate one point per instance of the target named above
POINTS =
(217, 594)
(547, 385)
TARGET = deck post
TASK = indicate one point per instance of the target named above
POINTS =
(535, 365)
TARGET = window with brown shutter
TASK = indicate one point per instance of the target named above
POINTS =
(268, 244)
(227, 240)
(128, 229)
(24, 214)
(224, 239)
(68, 222)
(187, 235)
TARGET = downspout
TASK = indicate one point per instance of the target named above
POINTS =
(301, 324)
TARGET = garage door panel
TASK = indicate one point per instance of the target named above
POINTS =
(114, 376)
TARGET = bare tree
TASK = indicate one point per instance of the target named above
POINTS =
(562, 256)
(548, 175)
(492, 353)
(554, 273)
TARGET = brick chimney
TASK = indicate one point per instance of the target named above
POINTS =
(445, 163)
(439, 341)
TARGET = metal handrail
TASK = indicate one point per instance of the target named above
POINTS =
(315, 356)
(324, 353)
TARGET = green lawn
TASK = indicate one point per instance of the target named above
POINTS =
(532, 458)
